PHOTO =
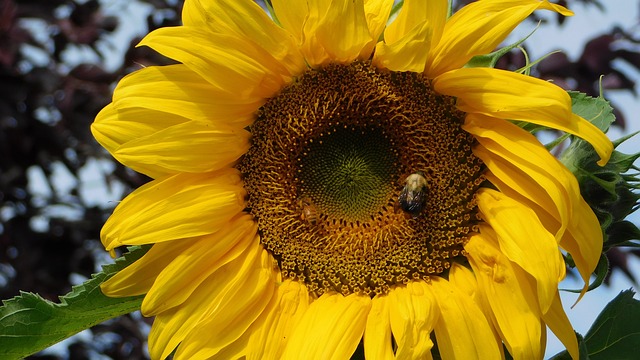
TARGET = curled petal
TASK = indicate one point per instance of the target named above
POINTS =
(230, 16)
(406, 54)
(324, 38)
(377, 14)
(498, 93)
(408, 39)
(227, 61)
(413, 313)
(524, 240)
(510, 299)
(478, 28)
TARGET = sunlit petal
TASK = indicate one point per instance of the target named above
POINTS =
(337, 323)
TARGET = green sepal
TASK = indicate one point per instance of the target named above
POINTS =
(490, 60)
(610, 190)
(272, 13)
(29, 323)
(620, 233)
(601, 271)
(395, 9)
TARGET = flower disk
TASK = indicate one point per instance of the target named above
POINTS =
(328, 160)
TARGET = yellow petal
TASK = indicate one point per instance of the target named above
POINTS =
(226, 61)
(193, 265)
(172, 326)
(231, 16)
(462, 331)
(180, 206)
(150, 116)
(377, 13)
(512, 302)
(114, 127)
(377, 334)
(229, 301)
(524, 240)
(176, 89)
(558, 322)
(336, 31)
(478, 28)
(589, 132)
(408, 39)
(286, 299)
(413, 313)
(229, 318)
(407, 54)
(463, 278)
(543, 184)
(524, 158)
(187, 147)
(583, 238)
(291, 302)
(292, 15)
(137, 278)
(507, 95)
(330, 329)
(235, 350)
(414, 14)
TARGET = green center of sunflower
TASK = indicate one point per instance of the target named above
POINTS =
(348, 173)
(361, 179)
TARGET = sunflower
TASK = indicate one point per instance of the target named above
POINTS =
(328, 178)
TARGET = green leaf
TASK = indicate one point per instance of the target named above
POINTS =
(29, 323)
(582, 348)
(621, 232)
(596, 110)
(615, 334)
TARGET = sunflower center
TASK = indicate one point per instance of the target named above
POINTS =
(361, 179)
(348, 173)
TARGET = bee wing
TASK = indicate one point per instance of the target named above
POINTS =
(417, 201)
(404, 198)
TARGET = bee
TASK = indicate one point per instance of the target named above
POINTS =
(413, 196)
(309, 212)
